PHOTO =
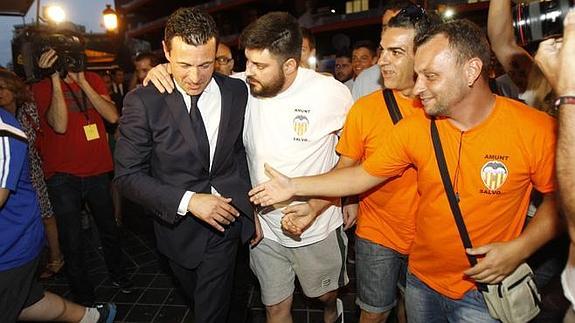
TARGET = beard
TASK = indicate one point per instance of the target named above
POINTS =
(271, 89)
(438, 110)
(446, 100)
(342, 77)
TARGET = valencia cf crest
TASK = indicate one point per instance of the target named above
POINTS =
(300, 125)
(494, 174)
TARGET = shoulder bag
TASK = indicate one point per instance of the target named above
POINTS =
(513, 300)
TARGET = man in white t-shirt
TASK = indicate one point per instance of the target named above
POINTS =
(292, 120)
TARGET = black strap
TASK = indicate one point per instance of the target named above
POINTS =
(494, 86)
(83, 107)
(392, 107)
(453, 201)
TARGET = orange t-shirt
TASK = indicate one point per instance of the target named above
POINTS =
(499, 163)
(387, 212)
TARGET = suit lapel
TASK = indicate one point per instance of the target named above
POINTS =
(181, 117)
(224, 117)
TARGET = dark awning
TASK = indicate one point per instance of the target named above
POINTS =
(15, 7)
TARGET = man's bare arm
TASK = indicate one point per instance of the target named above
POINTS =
(350, 204)
(299, 217)
(515, 60)
(336, 183)
(566, 138)
(102, 104)
(57, 113)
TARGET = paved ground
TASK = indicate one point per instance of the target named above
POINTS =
(157, 297)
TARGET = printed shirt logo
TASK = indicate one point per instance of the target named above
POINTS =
(494, 174)
(300, 125)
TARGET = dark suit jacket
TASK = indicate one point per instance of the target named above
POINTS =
(118, 98)
(156, 163)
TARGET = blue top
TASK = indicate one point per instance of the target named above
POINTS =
(21, 229)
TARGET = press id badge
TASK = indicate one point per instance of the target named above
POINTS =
(91, 132)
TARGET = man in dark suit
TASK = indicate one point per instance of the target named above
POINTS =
(119, 88)
(181, 156)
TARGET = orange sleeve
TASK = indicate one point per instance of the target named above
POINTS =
(543, 171)
(351, 141)
(392, 158)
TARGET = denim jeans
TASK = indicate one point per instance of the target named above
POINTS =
(424, 305)
(379, 272)
(68, 194)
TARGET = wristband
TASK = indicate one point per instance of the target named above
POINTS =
(567, 99)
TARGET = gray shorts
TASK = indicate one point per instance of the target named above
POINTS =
(379, 271)
(319, 267)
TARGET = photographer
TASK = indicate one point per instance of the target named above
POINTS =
(555, 58)
(77, 160)
(523, 79)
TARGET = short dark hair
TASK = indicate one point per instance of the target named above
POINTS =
(343, 53)
(396, 5)
(366, 44)
(307, 34)
(278, 32)
(414, 17)
(465, 37)
(154, 59)
(194, 26)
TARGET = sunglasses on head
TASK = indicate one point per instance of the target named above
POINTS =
(413, 12)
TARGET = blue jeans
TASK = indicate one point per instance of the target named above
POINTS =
(68, 194)
(379, 272)
(424, 305)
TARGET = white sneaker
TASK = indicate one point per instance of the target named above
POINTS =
(339, 306)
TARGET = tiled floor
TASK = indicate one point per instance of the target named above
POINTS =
(156, 296)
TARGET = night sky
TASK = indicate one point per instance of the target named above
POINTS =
(83, 12)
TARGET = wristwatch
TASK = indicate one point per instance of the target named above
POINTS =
(567, 99)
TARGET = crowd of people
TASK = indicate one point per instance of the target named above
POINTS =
(297, 164)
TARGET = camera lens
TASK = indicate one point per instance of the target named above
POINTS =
(538, 20)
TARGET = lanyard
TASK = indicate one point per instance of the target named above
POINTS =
(83, 106)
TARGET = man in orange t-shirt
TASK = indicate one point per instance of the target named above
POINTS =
(497, 151)
(386, 218)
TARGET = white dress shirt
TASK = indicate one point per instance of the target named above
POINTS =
(367, 81)
(210, 106)
(118, 88)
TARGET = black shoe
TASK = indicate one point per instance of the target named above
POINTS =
(107, 312)
(124, 284)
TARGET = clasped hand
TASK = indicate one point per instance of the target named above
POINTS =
(297, 218)
(212, 209)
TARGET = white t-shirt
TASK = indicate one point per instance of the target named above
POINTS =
(296, 133)
(367, 81)
(349, 84)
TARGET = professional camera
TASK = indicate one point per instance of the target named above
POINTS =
(32, 43)
(539, 20)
